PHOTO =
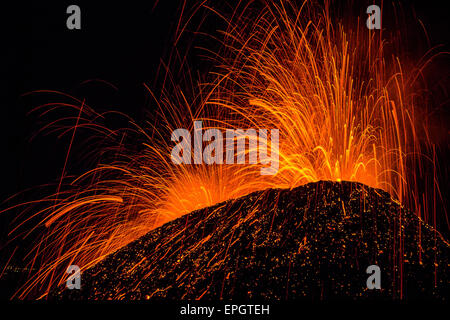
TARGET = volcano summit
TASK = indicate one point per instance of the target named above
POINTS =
(313, 242)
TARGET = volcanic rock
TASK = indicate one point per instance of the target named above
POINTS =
(313, 242)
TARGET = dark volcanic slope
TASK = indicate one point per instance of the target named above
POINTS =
(315, 241)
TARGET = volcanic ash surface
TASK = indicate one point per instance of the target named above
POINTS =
(313, 242)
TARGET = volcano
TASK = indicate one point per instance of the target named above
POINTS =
(313, 242)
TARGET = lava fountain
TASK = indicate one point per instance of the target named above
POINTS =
(343, 98)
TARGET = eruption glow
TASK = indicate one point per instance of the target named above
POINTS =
(345, 110)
